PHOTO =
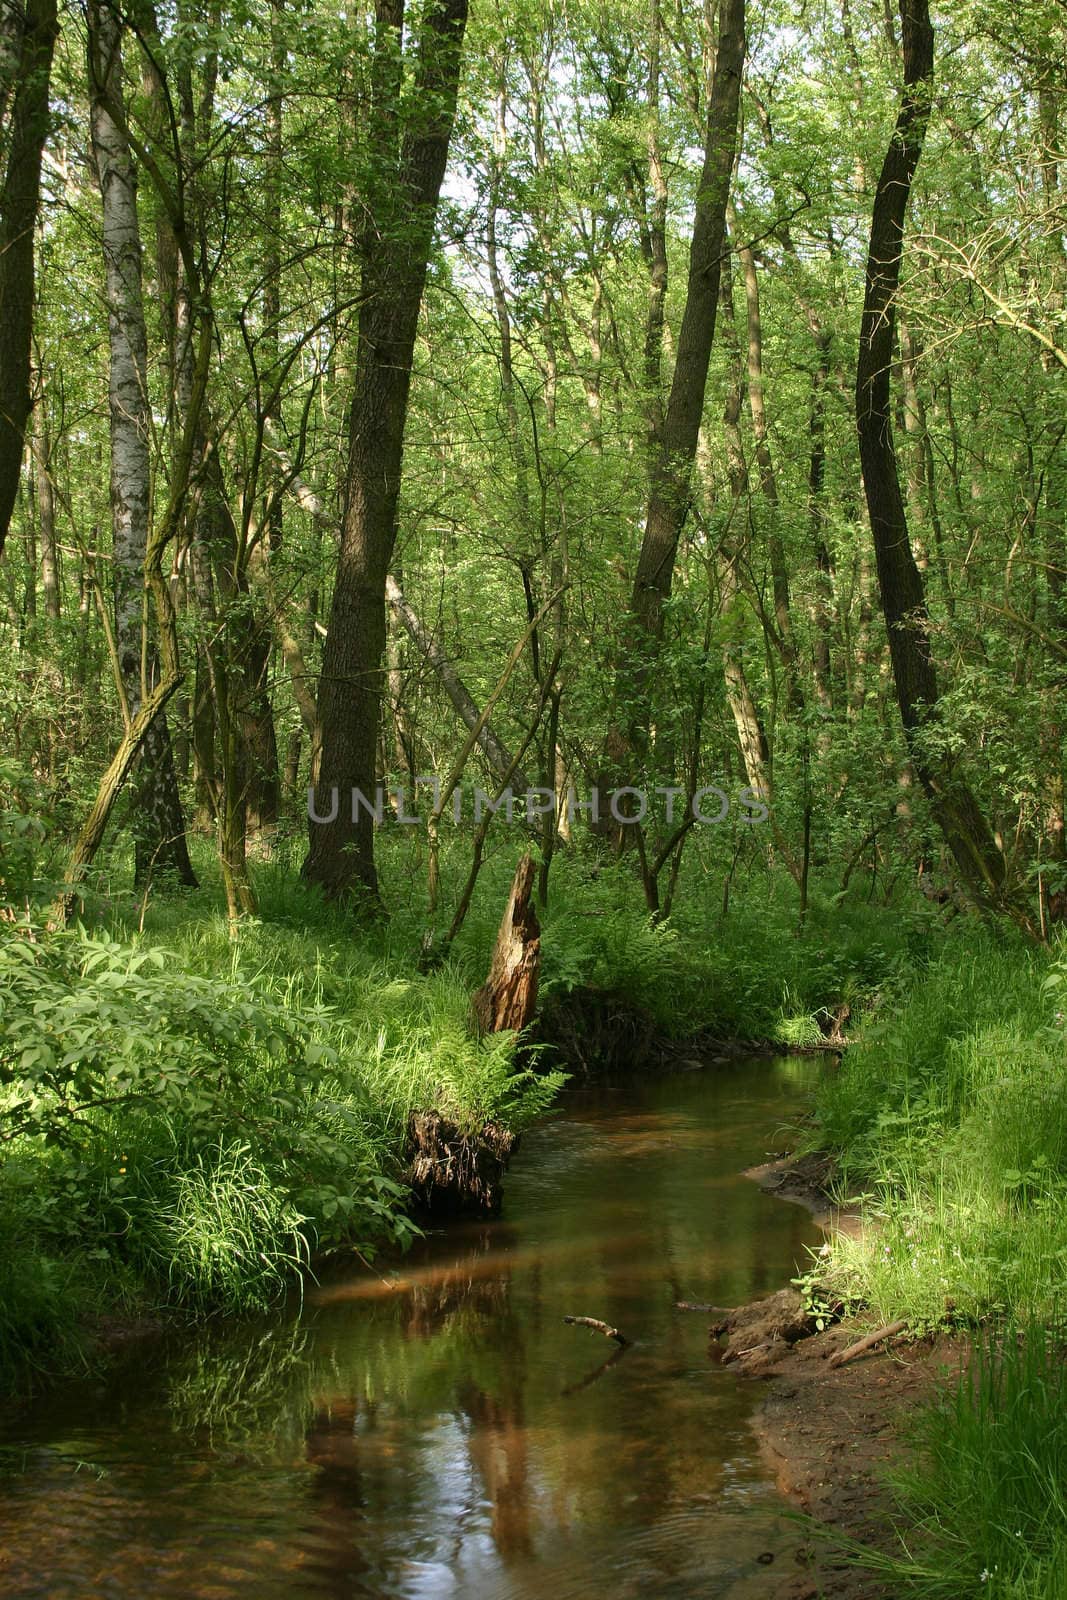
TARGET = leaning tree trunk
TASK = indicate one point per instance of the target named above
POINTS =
(496, 754)
(91, 833)
(35, 28)
(959, 816)
(403, 205)
(159, 828)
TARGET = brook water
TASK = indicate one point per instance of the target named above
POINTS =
(443, 1433)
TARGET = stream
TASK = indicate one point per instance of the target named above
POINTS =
(432, 1429)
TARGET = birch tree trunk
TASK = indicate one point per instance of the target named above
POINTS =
(159, 828)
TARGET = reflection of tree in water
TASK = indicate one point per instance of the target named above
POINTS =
(338, 1493)
(460, 1354)
(498, 1451)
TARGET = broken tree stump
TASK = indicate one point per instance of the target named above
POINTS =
(508, 997)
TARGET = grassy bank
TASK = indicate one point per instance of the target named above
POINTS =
(188, 1119)
(949, 1115)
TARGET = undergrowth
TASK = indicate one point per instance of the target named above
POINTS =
(981, 1511)
(190, 1118)
(950, 1115)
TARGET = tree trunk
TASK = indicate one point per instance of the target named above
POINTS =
(95, 825)
(159, 829)
(672, 461)
(903, 599)
(46, 516)
(36, 29)
(397, 250)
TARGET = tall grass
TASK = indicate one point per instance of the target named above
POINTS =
(950, 1114)
(982, 1509)
(190, 1119)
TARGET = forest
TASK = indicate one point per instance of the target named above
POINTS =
(533, 548)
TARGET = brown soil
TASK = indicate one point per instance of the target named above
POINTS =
(829, 1433)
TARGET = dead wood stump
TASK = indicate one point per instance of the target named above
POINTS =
(451, 1170)
(508, 997)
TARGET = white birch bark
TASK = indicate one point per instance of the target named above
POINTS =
(160, 830)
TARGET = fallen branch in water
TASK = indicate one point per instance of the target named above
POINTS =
(597, 1327)
(890, 1331)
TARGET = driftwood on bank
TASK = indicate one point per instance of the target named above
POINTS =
(598, 1327)
(508, 997)
(861, 1346)
(760, 1334)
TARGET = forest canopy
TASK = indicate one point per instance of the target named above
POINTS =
(669, 396)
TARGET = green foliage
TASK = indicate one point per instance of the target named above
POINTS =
(23, 829)
(45, 1303)
(89, 1022)
(746, 976)
(227, 1238)
(952, 1114)
(817, 1298)
(194, 1120)
(983, 1511)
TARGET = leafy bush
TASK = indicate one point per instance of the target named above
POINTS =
(89, 1023)
(23, 831)
(193, 1121)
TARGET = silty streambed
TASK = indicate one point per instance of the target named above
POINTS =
(435, 1430)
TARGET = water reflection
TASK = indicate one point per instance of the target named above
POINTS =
(435, 1430)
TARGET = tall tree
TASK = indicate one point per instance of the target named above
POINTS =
(675, 438)
(159, 827)
(411, 153)
(903, 597)
(29, 34)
